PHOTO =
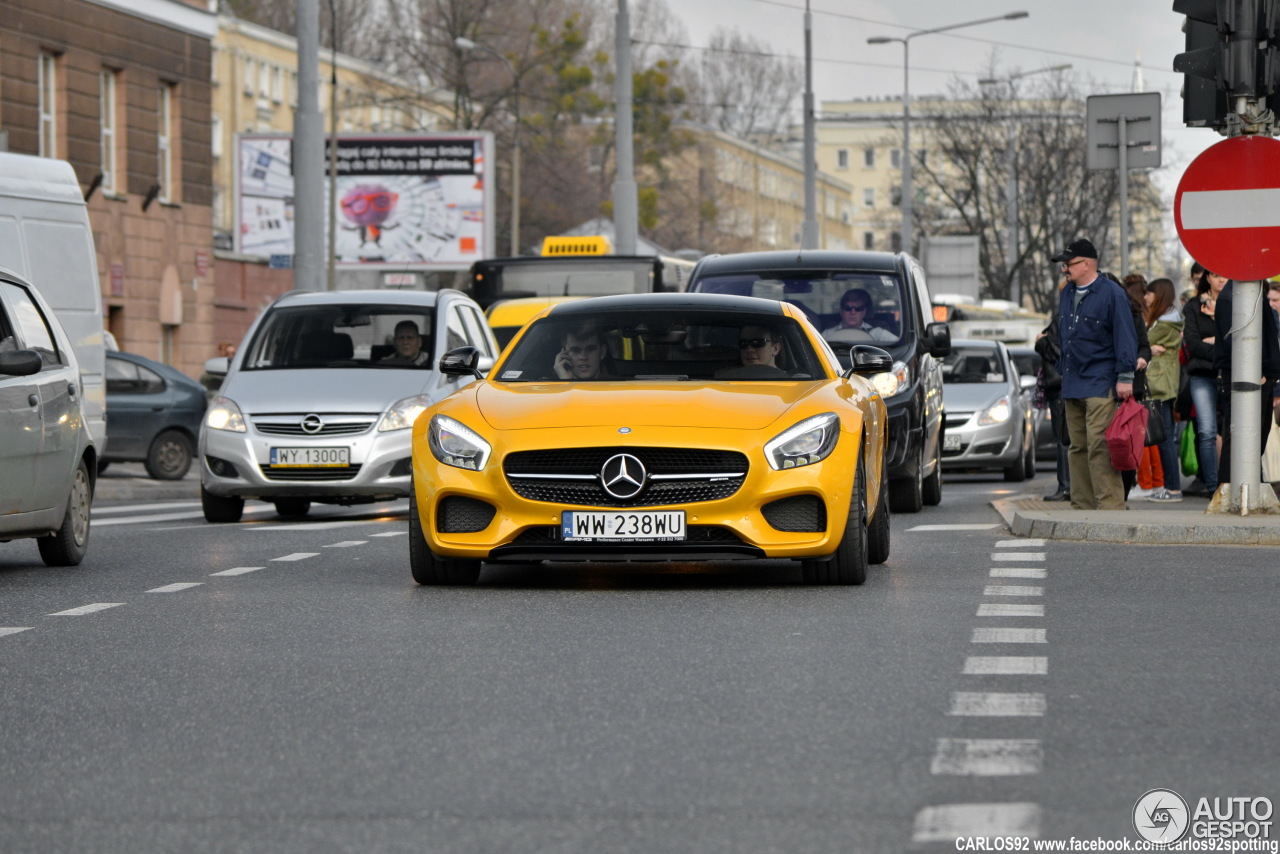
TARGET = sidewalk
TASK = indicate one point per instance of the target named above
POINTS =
(1145, 522)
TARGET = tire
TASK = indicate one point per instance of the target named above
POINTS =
(906, 494)
(1016, 471)
(67, 547)
(878, 534)
(169, 457)
(102, 466)
(292, 508)
(931, 489)
(220, 508)
(429, 568)
(848, 565)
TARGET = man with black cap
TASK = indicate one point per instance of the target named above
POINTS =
(1099, 354)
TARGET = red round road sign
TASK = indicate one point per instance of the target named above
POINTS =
(1227, 208)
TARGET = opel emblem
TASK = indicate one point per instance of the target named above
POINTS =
(623, 476)
(312, 424)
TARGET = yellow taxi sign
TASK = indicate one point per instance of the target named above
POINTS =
(597, 244)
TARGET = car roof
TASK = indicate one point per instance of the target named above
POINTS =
(158, 367)
(667, 302)
(367, 297)
(745, 262)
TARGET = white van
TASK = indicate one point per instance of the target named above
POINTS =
(45, 237)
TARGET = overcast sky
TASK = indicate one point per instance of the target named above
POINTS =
(1101, 39)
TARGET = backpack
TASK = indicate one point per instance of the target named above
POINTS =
(1126, 435)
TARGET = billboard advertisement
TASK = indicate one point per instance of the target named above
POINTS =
(403, 200)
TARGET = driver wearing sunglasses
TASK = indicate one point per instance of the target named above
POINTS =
(855, 308)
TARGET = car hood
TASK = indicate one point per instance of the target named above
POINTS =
(748, 406)
(324, 389)
(970, 397)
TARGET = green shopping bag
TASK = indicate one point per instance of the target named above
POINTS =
(1187, 450)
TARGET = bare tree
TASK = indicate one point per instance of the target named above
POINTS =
(355, 26)
(746, 90)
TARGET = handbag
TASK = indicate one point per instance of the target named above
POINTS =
(1187, 450)
(1155, 422)
(1125, 435)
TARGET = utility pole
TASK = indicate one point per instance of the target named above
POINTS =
(626, 215)
(809, 231)
(308, 156)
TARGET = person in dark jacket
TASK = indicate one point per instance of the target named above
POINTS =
(1099, 353)
(1222, 362)
(1198, 334)
(1135, 287)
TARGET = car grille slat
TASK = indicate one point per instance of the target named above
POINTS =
(561, 475)
(317, 473)
(326, 430)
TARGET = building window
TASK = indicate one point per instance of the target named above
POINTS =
(895, 158)
(277, 83)
(107, 128)
(869, 197)
(215, 144)
(250, 74)
(215, 60)
(842, 158)
(869, 240)
(48, 105)
(164, 142)
(869, 158)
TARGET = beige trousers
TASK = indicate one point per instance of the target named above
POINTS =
(1095, 484)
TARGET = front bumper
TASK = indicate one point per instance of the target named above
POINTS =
(970, 445)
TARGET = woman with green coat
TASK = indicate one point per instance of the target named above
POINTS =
(1164, 331)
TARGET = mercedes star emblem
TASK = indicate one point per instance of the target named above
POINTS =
(623, 476)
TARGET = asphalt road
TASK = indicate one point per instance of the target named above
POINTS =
(303, 695)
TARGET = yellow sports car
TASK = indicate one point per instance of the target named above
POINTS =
(655, 427)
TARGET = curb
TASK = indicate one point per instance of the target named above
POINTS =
(1027, 516)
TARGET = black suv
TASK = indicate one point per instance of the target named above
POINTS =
(877, 298)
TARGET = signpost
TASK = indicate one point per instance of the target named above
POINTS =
(1227, 211)
(1123, 133)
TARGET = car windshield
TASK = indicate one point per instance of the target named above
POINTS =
(389, 337)
(972, 365)
(681, 345)
(846, 307)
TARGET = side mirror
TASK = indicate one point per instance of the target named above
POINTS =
(1027, 382)
(869, 360)
(20, 363)
(462, 362)
(939, 337)
(217, 366)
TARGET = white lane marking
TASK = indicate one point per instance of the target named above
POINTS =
(1255, 208)
(138, 508)
(238, 570)
(954, 527)
(986, 704)
(346, 544)
(1006, 665)
(1011, 556)
(1002, 610)
(169, 517)
(87, 609)
(988, 757)
(949, 822)
(1008, 636)
(1017, 572)
(1020, 544)
(14, 630)
(174, 588)
(1012, 590)
(317, 526)
(391, 534)
(297, 556)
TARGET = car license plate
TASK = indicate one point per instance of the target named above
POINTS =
(623, 526)
(310, 457)
(950, 443)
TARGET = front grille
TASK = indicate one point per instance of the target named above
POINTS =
(334, 425)
(696, 535)
(960, 420)
(461, 515)
(310, 474)
(799, 513)
(700, 475)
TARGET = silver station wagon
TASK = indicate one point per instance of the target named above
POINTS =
(318, 402)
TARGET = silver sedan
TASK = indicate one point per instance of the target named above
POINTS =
(989, 417)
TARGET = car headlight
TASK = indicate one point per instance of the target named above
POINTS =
(403, 413)
(223, 414)
(896, 379)
(455, 444)
(808, 442)
(996, 413)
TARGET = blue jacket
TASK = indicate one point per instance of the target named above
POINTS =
(1097, 340)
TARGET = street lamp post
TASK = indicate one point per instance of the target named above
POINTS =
(905, 202)
(468, 44)
(332, 279)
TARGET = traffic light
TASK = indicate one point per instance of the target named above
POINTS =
(1204, 93)
(1269, 54)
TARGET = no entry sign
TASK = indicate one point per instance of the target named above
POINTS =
(1227, 208)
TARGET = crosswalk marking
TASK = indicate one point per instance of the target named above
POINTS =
(987, 757)
(14, 630)
(954, 527)
(983, 704)
(1012, 556)
(238, 570)
(296, 556)
(1006, 665)
(1020, 544)
(1012, 590)
(999, 609)
(346, 544)
(949, 822)
(87, 609)
(390, 534)
(1017, 572)
(992, 635)
(174, 588)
